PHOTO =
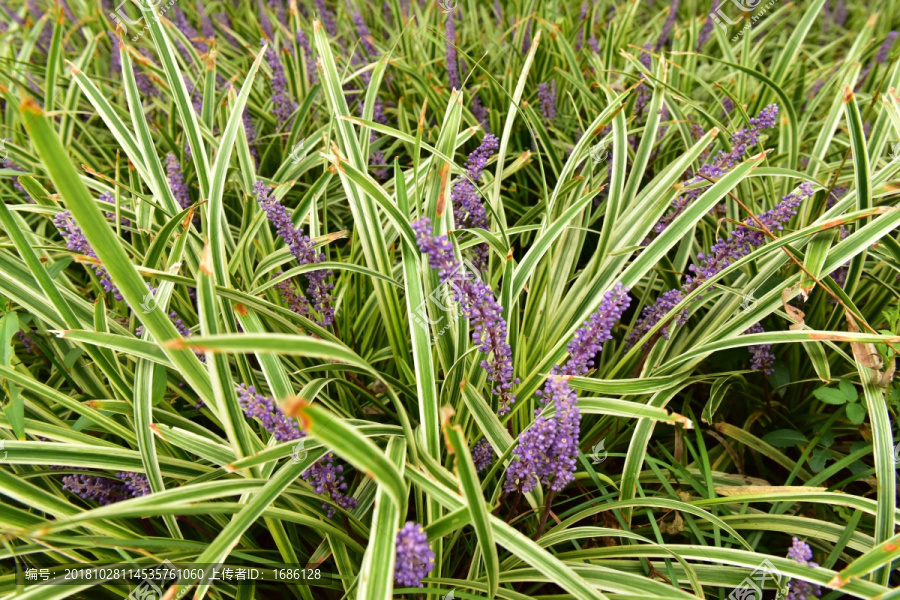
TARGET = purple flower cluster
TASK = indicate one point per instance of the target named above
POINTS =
(301, 246)
(278, 7)
(206, 26)
(838, 14)
(250, 132)
(327, 18)
(723, 253)
(880, 58)
(76, 242)
(176, 181)
(727, 106)
(480, 112)
(289, 296)
(415, 559)
(327, 478)
(303, 42)
(362, 30)
(264, 22)
(143, 81)
(284, 105)
(547, 99)
(27, 342)
(115, 58)
(134, 484)
(9, 164)
(104, 490)
(548, 450)
(588, 340)
(797, 589)
(452, 63)
(181, 22)
(761, 357)
(885, 47)
(470, 212)
(110, 199)
(194, 94)
(666, 31)
(479, 306)
(257, 406)
(482, 455)
(708, 27)
(741, 142)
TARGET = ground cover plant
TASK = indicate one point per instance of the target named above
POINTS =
(449, 299)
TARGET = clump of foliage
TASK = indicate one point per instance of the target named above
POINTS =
(513, 299)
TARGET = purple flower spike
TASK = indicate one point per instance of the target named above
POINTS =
(547, 98)
(466, 199)
(250, 132)
(281, 96)
(654, 313)
(303, 42)
(296, 302)
(415, 558)
(206, 26)
(480, 112)
(104, 490)
(533, 454)
(797, 589)
(176, 181)
(115, 59)
(327, 18)
(452, 63)
(478, 305)
(727, 106)
(526, 42)
(708, 26)
(326, 478)
(301, 246)
(666, 32)
(482, 455)
(742, 142)
(885, 48)
(27, 342)
(9, 164)
(761, 357)
(548, 450)
(76, 242)
(181, 22)
(257, 406)
(839, 13)
(143, 81)
(278, 7)
(134, 485)
(588, 340)
(110, 199)
(264, 22)
(101, 490)
(723, 253)
(362, 30)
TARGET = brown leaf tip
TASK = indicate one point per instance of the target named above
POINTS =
(206, 264)
(30, 105)
(293, 405)
(175, 344)
(848, 93)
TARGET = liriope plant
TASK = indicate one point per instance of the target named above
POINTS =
(450, 299)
